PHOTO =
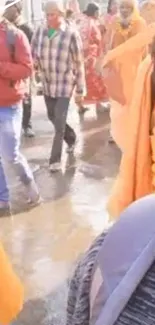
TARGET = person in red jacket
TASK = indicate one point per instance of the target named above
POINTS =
(13, 70)
(14, 15)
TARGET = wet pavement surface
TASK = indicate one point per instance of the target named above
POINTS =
(45, 243)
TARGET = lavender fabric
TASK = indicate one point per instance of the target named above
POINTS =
(126, 255)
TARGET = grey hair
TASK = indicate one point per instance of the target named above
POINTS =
(133, 2)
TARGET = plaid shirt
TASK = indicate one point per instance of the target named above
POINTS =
(60, 59)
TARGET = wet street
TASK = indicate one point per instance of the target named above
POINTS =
(45, 243)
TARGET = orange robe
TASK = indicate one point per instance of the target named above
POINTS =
(137, 169)
(11, 291)
(119, 111)
(135, 176)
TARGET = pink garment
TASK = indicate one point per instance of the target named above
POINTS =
(92, 43)
(108, 19)
(89, 32)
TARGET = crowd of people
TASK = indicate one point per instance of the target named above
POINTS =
(94, 59)
(64, 49)
(86, 56)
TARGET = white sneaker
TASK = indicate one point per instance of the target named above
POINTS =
(70, 149)
(56, 167)
(34, 197)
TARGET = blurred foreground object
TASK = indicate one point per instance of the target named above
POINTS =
(11, 291)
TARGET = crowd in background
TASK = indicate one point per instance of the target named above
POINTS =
(88, 56)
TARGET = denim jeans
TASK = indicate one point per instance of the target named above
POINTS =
(10, 156)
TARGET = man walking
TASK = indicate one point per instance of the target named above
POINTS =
(14, 15)
(57, 48)
(12, 72)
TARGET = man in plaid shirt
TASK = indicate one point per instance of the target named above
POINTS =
(57, 49)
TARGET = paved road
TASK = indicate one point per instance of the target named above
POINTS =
(45, 243)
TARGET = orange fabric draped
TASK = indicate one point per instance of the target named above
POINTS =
(115, 36)
(92, 42)
(134, 43)
(120, 68)
(122, 64)
(11, 291)
(135, 178)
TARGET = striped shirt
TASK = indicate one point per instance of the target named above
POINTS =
(60, 59)
(140, 309)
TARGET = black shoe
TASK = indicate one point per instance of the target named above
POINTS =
(5, 210)
(83, 110)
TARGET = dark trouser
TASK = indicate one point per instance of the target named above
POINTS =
(57, 110)
(27, 110)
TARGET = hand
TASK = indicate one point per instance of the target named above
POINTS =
(79, 99)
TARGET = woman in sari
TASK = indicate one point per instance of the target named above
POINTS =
(92, 43)
(136, 176)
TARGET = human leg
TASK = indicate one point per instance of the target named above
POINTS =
(11, 121)
(57, 109)
(27, 112)
(61, 130)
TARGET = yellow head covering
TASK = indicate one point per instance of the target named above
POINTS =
(134, 4)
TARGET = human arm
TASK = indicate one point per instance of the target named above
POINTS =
(133, 45)
(141, 26)
(22, 66)
(108, 46)
(78, 60)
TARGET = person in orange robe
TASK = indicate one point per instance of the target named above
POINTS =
(126, 24)
(90, 32)
(136, 176)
